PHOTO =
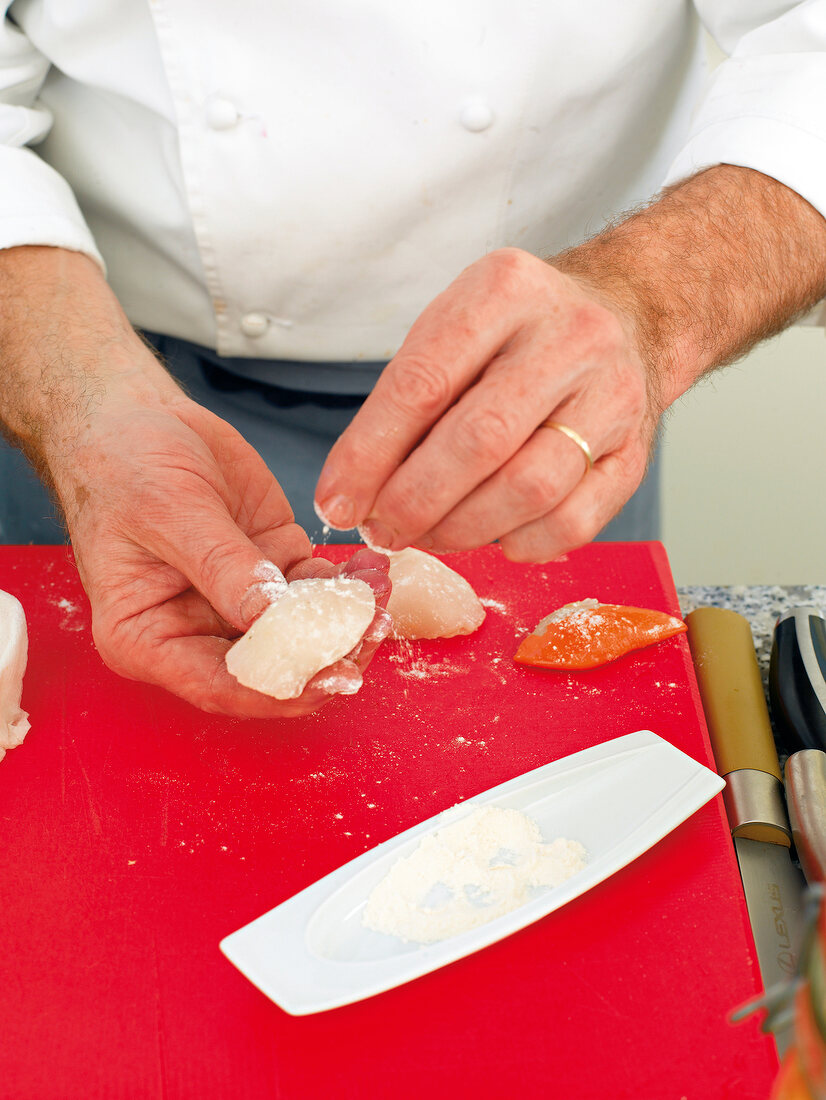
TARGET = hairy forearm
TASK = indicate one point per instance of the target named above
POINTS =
(715, 265)
(65, 344)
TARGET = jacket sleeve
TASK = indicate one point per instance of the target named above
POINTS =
(36, 204)
(765, 104)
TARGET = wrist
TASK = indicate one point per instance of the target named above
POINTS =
(600, 269)
(68, 351)
(716, 264)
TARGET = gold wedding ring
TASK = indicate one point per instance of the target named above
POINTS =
(575, 437)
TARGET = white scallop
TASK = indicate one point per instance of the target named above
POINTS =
(429, 599)
(315, 623)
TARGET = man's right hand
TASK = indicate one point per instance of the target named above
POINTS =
(181, 533)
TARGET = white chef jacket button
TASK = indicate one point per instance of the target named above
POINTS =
(476, 115)
(254, 324)
(221, 114)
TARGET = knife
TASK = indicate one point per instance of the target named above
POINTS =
(806, 800)
(797, 689)
(731, 688)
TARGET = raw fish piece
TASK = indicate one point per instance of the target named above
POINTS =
(315, 623)
(14, 648)
(429, 599)
(588, 633)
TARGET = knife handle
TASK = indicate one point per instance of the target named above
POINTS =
(797, 678)
(731, 688)
(806, 799)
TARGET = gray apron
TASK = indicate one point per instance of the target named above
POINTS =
(292, 429)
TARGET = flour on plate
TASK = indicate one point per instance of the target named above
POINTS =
(467, 873)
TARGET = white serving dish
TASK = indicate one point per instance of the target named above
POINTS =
(618, 799)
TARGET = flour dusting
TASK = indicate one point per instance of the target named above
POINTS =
(580, 614)
(422, 669)
(493, 605)
(72, 618)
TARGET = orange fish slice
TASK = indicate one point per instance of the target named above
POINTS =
(589, 633)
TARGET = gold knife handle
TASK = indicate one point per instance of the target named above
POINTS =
(738, 723)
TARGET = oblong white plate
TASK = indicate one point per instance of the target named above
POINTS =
(312, 953)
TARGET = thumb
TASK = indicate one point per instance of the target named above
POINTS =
(226, 567)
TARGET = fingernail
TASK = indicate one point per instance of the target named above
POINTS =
(424, 543)
(260, 595)
(379, 582)
(380, 627)
(365, 558)
(376, 535)
(341, 682)
(268, 572)
(336, 511)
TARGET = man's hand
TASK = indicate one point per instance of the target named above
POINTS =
(450, 451)
(181, 534)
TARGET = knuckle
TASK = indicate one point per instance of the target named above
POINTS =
(422, 386)
(634, 400)
(450, 538)
(288, 546)
(360, 452)
(519, 548)
(536, 488)
(632, 464)
(626, 414)
(509, 269)
(484, 434)
(574, 529)
(409, 509)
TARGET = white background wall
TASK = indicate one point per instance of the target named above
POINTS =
(744, 488)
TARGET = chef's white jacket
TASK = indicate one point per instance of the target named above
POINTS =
(296, 180)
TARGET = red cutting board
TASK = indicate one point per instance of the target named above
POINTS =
(137, 832)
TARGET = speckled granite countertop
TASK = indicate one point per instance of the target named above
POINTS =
(762, 605)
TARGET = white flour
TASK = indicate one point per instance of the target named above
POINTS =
(467, 873)
(582, 614)
(493, 605)
(421, 669)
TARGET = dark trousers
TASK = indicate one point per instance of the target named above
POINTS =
(292, 429)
